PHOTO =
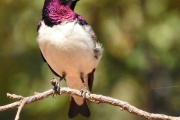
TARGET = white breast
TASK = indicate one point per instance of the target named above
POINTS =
(68, 48)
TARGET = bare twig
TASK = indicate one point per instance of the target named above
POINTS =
(14, 96)
(23, 102)
(91, 97)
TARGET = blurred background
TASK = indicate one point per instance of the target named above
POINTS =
(140, 64)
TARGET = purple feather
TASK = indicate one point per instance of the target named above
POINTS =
(55, 12)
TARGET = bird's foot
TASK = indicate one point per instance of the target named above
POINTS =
(56, 85)
(84, 92)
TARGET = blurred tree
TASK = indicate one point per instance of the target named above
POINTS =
(140, 64)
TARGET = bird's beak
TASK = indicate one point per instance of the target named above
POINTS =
(73, 4)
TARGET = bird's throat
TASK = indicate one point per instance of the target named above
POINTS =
(54, 12)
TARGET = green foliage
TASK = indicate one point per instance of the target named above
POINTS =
(140, 64)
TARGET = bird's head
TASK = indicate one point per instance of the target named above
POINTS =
(57, 11)
(70, 3)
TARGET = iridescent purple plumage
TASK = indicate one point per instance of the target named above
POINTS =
(55, 12)
(81, 20)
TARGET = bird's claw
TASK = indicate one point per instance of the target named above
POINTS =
(56, 85)
(84, 92)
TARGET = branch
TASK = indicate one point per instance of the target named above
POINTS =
(91, 97)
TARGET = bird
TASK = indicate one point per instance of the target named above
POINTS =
(70, 48)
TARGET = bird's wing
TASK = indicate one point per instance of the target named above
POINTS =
(91, 79)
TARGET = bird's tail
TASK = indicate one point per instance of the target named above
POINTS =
(75, 109)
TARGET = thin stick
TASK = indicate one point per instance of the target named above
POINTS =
(20, 109)
(93, 98)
